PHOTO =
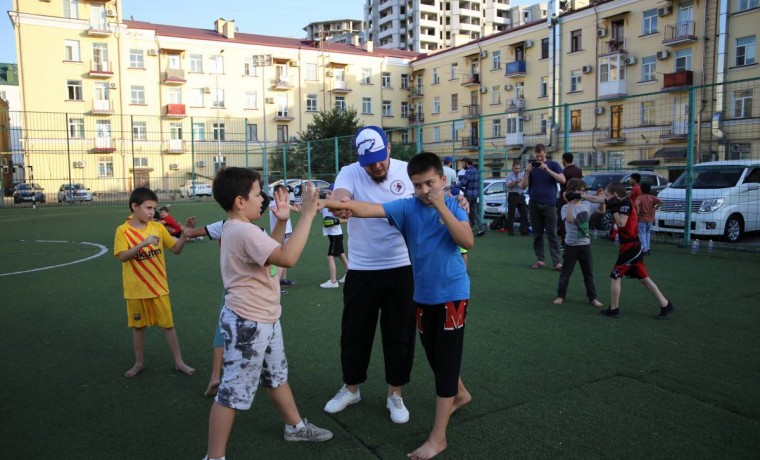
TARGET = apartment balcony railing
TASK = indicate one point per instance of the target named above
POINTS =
(516, 104)
(471, 111)
(99, 29)
(513, 139)
(281, 84)
(613, 137)
(340, 86)
(104, 145)
(472, 80)
(102, 106)
(174, 77)
(515, 69)
(612, 89)
(470, 142)
(683, 32)
(615, 46)
(175, 110)
(176, 146)
(100, 69)
(284, 115)
(678, 131)
(415, 92)
(678, 80)
(415, 118)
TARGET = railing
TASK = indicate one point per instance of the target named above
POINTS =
(617, 46)
(174, 76)
(340, 86)
(472, 110)
(678, 79)
(102, 106)
(416, 118)
(416, 91)
(515, 138)
(516, 104)
(99, 28)
(469, 142)
(176, 146)
(175, 110)
(472, 79)
(104, 144)
(680, 32)
(100, 67)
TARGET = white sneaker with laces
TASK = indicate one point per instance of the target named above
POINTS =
(329, 284)
(343, 399)
(395, 404)
(342, 280)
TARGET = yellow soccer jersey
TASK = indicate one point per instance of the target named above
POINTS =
(143, 276)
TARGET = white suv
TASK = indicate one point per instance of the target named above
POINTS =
(725, 200)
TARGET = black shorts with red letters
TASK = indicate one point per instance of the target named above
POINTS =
(441, 329)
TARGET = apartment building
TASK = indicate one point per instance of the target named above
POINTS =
(10, 126)
(135, 103)
(335, 31)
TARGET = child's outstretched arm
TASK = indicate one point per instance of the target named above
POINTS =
(287, 255)
(177, 248)
(357, 208)
(459, 230)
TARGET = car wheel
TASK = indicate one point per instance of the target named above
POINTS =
(734, 229)
(16, 200)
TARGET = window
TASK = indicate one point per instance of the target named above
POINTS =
(140, 162)
(140, 131)
(387, 109)
(615, 159)
(496, 60)
(436, 134)
(253, 132)
(405, 109)
(199, 131)
(743, 103)
(137, 95)
(196, 97)
(311, 103)
(545, 48)
(310, 72)
(544, 124)
(748, 4)
(340, 103)
(366, 105)
(436, 104)
(405, 138)
(575, 81)
(739, 152)
(175, 96)
(649, 68)
(216, 64)
(496, 127)
(649, 22)
(543, 87)
(105, 167)
(520, 90)
(386, 79)
(218, 100)
(611, 69)
(71, 9)
(282, 134)
(218, 129)
(249, 69)
(453, 72)
(175, 130)
(576, 41)
(71, 50)
(436, 77)
(496, 94)
(76, 128)
(404, 81)
(74, 88)
(366, 76)
(251, 100)
(136, 59)
(683, 60)
(514, 125)
(196, 63)
(647, 113)
(454, 102)
(745, 50)
(575, 121)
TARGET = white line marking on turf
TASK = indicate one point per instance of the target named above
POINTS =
(102, 251)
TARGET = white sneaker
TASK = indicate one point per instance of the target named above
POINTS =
(329, 284)
(343, 399)
(395, 404)
(342, 280)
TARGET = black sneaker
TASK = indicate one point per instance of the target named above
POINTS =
(612, 313)
(287, 282)
(480, 233)
(666, 310)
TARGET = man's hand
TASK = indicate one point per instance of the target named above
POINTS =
(282, 204)
(342, 214)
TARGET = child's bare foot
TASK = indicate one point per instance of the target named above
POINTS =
(136, 369)
(184, 368)
(212, 388)
(558, 301)
(597, 303)
(462, 398)
(428, 450)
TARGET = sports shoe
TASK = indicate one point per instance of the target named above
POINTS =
(329, 284)
(309, 432)
(610, 312)
(480, 233)
(283, 291)
(343, 399)
(342, 280)
(664, 311)
(395, 404)
(287, 282)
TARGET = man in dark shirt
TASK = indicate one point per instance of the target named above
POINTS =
(571, 171)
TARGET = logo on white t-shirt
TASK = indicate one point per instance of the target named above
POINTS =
(398, 187)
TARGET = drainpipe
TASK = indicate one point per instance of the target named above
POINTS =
(555, 57)
(720, 76)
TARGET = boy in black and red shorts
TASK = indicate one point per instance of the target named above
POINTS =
(630, 261)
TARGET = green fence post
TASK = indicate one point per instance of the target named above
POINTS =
(481, 169)
(284, 164)
(68, 156)
(689, 170)
(337, 155)
(418, 136)
(192, 149)
(132, 144)
(245, 136)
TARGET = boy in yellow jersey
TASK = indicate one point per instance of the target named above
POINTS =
(140, 243)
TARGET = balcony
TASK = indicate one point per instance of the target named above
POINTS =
(176, 146)
(470, 143)
(613, 89)
(281, 84)
(174, 77)
(283, 115)
(682, 79)
(678, 131)
(99, 29)
(175, 110)
(515, 105)
(472, 80)
(416, 92)
(612, 138)
(515, 139)
(471, 111)
(104, 145)
(615, 46)
(676, 34)
(416, 118)
(102, 106)
(340, 87)
(515, 69)
(100, 69)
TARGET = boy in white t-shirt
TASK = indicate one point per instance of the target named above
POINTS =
(331, 229)
(254, 350)
(283, 272)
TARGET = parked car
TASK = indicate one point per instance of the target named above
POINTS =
(294, 186)
(197, 188)
(74, 192)
(601, 179)
(495, 199)
(28, 193)
(725, 200)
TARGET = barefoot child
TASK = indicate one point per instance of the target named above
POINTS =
(254, 350)
(140, 244)
(434, 227)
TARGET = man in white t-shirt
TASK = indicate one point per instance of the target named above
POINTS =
(448, 171)
(379, 280)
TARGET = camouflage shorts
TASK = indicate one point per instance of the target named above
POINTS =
(254, 354)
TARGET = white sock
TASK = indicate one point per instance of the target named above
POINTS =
(295, 427)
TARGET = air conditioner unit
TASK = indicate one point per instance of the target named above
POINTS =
(528, 43)
(664, 54)
(173, 166)
(484, 53)
(79, 164)
(152, 52)
(207, 90)
(112, 85)
(507, 87)
(111, 13)
(293, 63)
(599, 110)
(664, 11)
(630, 60)
(587, 69)
(601, 32)
(483, 90)
(329, 73)
(269, 100)
(526, 117)
(201, 164)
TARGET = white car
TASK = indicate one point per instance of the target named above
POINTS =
(495, 197)
(294, 185)
(198, 188)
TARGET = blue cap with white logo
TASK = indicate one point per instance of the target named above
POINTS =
(371, 145)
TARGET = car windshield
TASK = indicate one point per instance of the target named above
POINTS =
(597, 181)
(710, 178)
(496, 187)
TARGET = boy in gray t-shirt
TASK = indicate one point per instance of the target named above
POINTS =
(576, 215)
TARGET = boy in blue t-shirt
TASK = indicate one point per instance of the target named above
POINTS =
(434, 227)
